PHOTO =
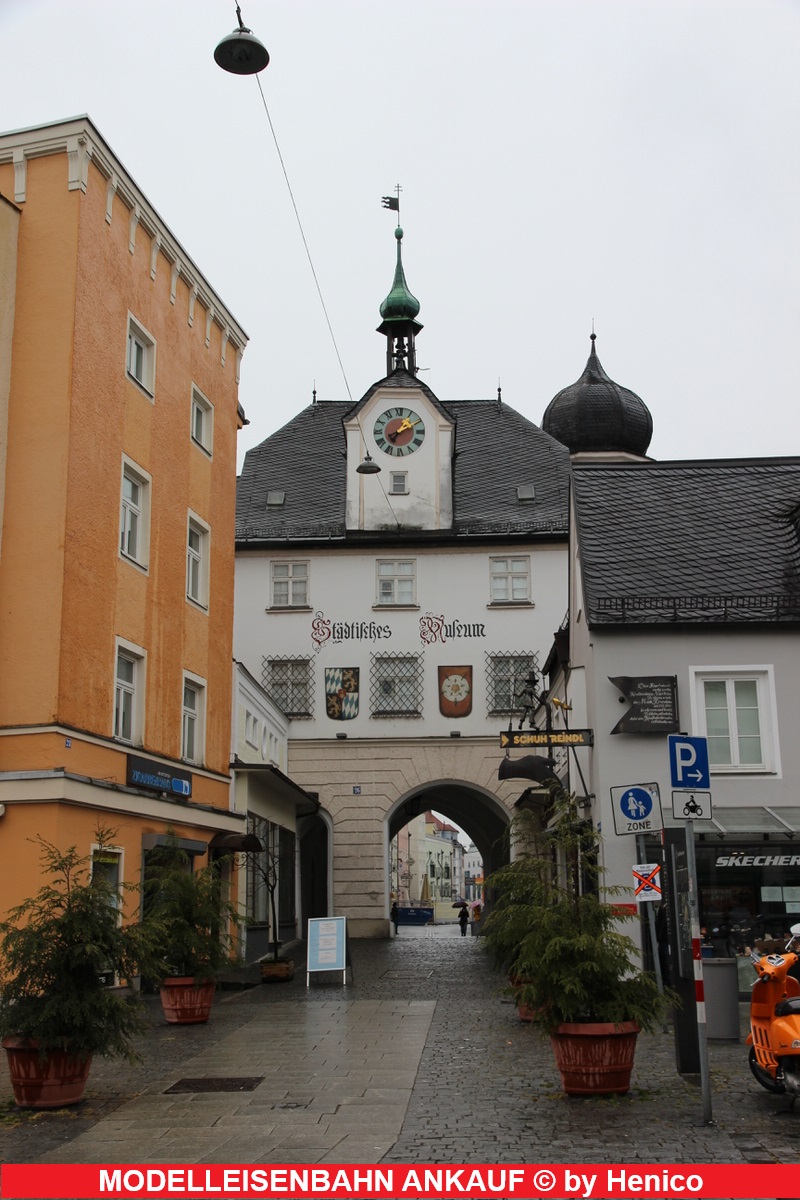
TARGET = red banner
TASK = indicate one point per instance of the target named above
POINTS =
(589, 1181)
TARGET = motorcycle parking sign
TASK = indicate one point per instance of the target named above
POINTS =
(691, 806)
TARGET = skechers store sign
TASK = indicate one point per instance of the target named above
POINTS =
(156, 777)
(758, 860)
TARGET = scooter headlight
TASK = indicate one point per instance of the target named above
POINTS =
(796, 1044)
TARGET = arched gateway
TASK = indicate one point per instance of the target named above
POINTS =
(401, 569)
(369, 792)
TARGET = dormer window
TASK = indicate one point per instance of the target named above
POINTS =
(526, 493)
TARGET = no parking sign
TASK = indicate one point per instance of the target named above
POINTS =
(647, 881)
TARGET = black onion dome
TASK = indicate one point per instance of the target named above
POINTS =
(596, 414)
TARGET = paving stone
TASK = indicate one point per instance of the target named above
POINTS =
(425, 1043)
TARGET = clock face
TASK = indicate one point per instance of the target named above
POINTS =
(399, 431)
(455, 688)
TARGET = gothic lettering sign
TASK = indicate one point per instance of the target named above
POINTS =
(436, 628)
(341, 693)
(653, 703)
(455, 691)
(327, 632)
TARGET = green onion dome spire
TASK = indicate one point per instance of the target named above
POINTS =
(399, 305)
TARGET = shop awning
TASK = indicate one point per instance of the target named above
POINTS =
(778, 821)
(306, 803)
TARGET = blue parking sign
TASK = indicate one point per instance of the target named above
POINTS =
(688, 762)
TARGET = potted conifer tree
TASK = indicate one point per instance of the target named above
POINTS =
(559, 935)
(195, 920)
(57, 950)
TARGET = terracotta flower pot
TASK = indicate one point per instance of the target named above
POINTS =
(277, 972)
(595, 1059)
(186, 1002)
(50, 1082)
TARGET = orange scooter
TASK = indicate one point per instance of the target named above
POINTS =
(774, 1037)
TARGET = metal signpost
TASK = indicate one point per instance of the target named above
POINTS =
(689, 770)
(637, 810)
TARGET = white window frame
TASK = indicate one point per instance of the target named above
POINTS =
(293, 576)
(763, 677)
(140, 357)
(387, 596)
(129, 512)
(202, 413)
(133, 689)
(198, 558)
(398, 483)
(193, 719)
(506, 569)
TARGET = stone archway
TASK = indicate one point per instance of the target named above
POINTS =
(478, 812)
(366, 785)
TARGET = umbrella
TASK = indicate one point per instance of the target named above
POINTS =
(459, 904)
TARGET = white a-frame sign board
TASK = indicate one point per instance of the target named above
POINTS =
(327, 946)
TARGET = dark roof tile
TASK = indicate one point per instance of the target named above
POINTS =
(686, 542)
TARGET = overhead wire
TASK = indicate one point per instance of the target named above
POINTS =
(316, 281)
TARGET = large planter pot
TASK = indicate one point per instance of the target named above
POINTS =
(280, 971)
(186, 1002)
(596, 1059)
(50, 1082)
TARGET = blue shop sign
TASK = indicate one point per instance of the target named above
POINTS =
(156, 777)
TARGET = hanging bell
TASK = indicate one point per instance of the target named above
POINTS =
(241, 52)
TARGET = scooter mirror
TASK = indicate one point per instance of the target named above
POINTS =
(794, 930)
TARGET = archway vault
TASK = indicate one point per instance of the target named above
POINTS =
(478, 812)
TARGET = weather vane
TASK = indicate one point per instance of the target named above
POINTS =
(393, 202)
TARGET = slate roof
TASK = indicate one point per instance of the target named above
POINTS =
(496, 450)
(690, 542)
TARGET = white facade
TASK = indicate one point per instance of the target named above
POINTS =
(451, 623)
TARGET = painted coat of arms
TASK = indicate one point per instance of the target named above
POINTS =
(341, 693)
(455, 691)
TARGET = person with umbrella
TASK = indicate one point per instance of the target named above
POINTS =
(463, 919)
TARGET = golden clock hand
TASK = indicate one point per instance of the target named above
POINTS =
(403, 426)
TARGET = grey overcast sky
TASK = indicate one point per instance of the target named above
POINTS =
(635, 162)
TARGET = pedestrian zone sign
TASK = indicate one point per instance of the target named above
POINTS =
(637, 808)
(647, 881)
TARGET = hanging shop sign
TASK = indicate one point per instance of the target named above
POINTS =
(540, 737)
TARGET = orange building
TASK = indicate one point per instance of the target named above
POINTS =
(119, 411)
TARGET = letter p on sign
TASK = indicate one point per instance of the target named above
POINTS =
(688, 761)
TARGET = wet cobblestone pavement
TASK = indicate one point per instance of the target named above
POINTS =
(485, 1090)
